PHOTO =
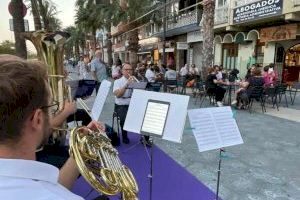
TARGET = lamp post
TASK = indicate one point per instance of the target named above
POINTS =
(164, 33)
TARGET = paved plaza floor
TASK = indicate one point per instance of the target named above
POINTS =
(265, 167)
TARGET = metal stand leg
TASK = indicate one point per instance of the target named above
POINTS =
(219, 173)
(150, 176)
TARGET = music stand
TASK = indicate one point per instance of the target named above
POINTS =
(153, 125)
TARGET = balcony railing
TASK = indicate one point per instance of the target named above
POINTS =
(238, 3)
(221, 15)
(182, 19)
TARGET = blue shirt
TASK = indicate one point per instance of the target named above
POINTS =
(100, 69)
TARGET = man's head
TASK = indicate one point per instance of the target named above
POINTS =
(98, 54)
(127, 70)
(24, 101)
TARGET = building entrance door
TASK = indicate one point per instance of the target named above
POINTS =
(291, 68)
(229, 56)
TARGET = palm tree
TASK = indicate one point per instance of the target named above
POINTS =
(89, 19)
(208, 33)
(76, 40)
(18, 23)
(36, 15)
(48, 11)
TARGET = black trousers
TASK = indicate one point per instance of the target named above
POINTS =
(218, 91)
(121, 111)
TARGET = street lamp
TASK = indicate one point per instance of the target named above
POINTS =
(164, 33)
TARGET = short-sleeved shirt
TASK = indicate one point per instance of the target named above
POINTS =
(150, 75)
(100, 69)
(210, 81)
(254, 81)
(28, 179)
(125, 99)
(171, 74)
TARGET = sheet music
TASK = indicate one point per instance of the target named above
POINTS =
(214, 128)
(155, 118)
(100, 99)
(176, 114)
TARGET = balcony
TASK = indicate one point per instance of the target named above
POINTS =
(221, 15)
(184, 22)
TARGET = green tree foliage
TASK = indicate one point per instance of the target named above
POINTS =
(7, 47)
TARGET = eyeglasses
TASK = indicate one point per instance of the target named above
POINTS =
(54, 107)
(128, 69)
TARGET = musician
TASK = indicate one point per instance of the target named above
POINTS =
(25, 105)
(123, 96)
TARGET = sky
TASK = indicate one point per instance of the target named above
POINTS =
(66, 14)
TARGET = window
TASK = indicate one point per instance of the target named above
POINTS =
(221, 3)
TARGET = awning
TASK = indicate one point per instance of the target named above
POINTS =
(167, 50)
(144, 52)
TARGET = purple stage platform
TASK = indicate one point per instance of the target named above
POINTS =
(170, 180)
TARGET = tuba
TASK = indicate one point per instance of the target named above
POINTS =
(96, 159)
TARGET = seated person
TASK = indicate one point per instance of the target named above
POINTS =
(213, 86)
(171, 74)
(243, 94)
(141, 74)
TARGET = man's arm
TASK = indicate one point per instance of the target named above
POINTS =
(120, 92)
(93, 70)
(69, 108)
(68, 173)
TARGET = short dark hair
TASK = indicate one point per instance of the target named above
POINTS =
(23, 88)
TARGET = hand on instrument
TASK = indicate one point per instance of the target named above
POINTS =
(70, 107)
(96, 126)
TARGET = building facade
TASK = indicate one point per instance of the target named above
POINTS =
(266, 30)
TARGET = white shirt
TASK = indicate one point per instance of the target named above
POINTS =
(125, 99)
(150, 75)
(219, 75)
(28, 179)
(171, 74)
(184, 71)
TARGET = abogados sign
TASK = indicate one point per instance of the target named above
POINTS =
(257, 10)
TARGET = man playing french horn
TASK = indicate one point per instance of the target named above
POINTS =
(25, 104)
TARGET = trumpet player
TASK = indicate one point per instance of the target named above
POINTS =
(123, 96)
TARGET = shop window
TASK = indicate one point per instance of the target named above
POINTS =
(259, 52)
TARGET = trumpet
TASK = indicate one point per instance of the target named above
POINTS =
(134, 78)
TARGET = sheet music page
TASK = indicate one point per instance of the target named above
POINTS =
(155, 118)
(214, 128)
(100, 99)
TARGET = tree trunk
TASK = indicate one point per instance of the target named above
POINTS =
(19, 28)
(95, 40)
(208, 34)
(77, 49)
(36, 15)
(109, 46)
(45, 19)
(133, 47)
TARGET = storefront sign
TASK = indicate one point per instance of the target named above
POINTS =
(257, 10)
(195, 36)
(277, 33)
(182, 45)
